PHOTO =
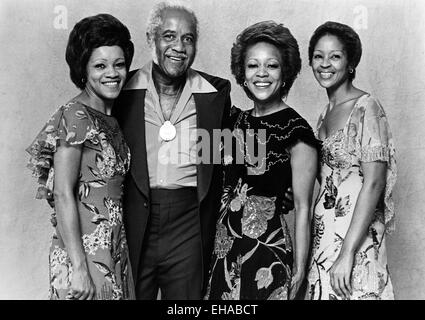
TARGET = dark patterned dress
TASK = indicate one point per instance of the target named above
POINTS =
(253, 256)
(104, 162)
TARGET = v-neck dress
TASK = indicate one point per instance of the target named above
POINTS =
(366, 137)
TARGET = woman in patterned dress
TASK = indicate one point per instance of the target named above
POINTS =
(80, 159)
(253, 255)
(354, 208)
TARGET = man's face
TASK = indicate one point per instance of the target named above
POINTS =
(175, 43)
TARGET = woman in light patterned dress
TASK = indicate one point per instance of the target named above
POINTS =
(253, 255)
(80, 159)
(354, 209)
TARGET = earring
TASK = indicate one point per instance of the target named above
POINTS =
(283, 84)
(351, 70)
(245, 84)
(83, 80)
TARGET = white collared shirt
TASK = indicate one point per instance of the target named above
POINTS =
(171, 164)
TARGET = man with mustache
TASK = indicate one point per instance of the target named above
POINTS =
(170, 206)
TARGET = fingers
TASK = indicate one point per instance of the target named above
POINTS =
(288, 200)
(73, 294)
(69, 296)
(334, 284)
(339, 285)
(296, 283)
(293, 291)
(78, 294)
(343, 288)
(85, 296)
(347, 282)
(92, 295)
(89, 294)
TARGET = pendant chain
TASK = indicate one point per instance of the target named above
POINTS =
(342, 102)
(174, 104)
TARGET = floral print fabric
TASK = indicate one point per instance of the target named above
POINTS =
(253, 256)
(104, 163)
(366, 137)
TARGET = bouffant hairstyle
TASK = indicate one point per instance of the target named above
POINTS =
(155, 19)
(91, 33)
(275, 34)
(346, 35)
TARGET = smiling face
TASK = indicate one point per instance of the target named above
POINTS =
(329, 62)
(106, 72)
(263, 71)
(174, 45)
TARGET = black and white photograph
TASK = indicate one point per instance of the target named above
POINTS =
(212, 150)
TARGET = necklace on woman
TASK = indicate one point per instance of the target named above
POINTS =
(342, 102)
(168, 131)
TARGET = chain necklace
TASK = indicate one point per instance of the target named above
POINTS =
(342, 102)
(168, 131)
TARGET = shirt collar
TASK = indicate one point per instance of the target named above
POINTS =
(196, 83)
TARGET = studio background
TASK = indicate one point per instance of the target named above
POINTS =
(34, 81)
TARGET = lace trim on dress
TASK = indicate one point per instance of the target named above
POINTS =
(376, 153)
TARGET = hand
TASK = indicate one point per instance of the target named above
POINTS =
(296, 281)
(82, 286)
(288, 200)
(340, 275)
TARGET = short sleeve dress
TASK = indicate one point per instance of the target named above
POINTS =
(105, 161)
(366, 137)
(253, 256)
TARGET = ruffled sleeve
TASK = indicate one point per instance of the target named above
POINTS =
(72, 124)
(375, 143)
(375, 134)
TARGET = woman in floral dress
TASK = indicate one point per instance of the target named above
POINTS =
(80, 159)
(354, 209)
(274, 148)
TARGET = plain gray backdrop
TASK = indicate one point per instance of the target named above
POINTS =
(34, 81)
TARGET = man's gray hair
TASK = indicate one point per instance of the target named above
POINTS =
(155, 16)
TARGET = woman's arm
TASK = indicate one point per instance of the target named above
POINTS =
(374, 174)
(304, 169)
(67, 166)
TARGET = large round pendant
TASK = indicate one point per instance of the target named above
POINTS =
(167, 132)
